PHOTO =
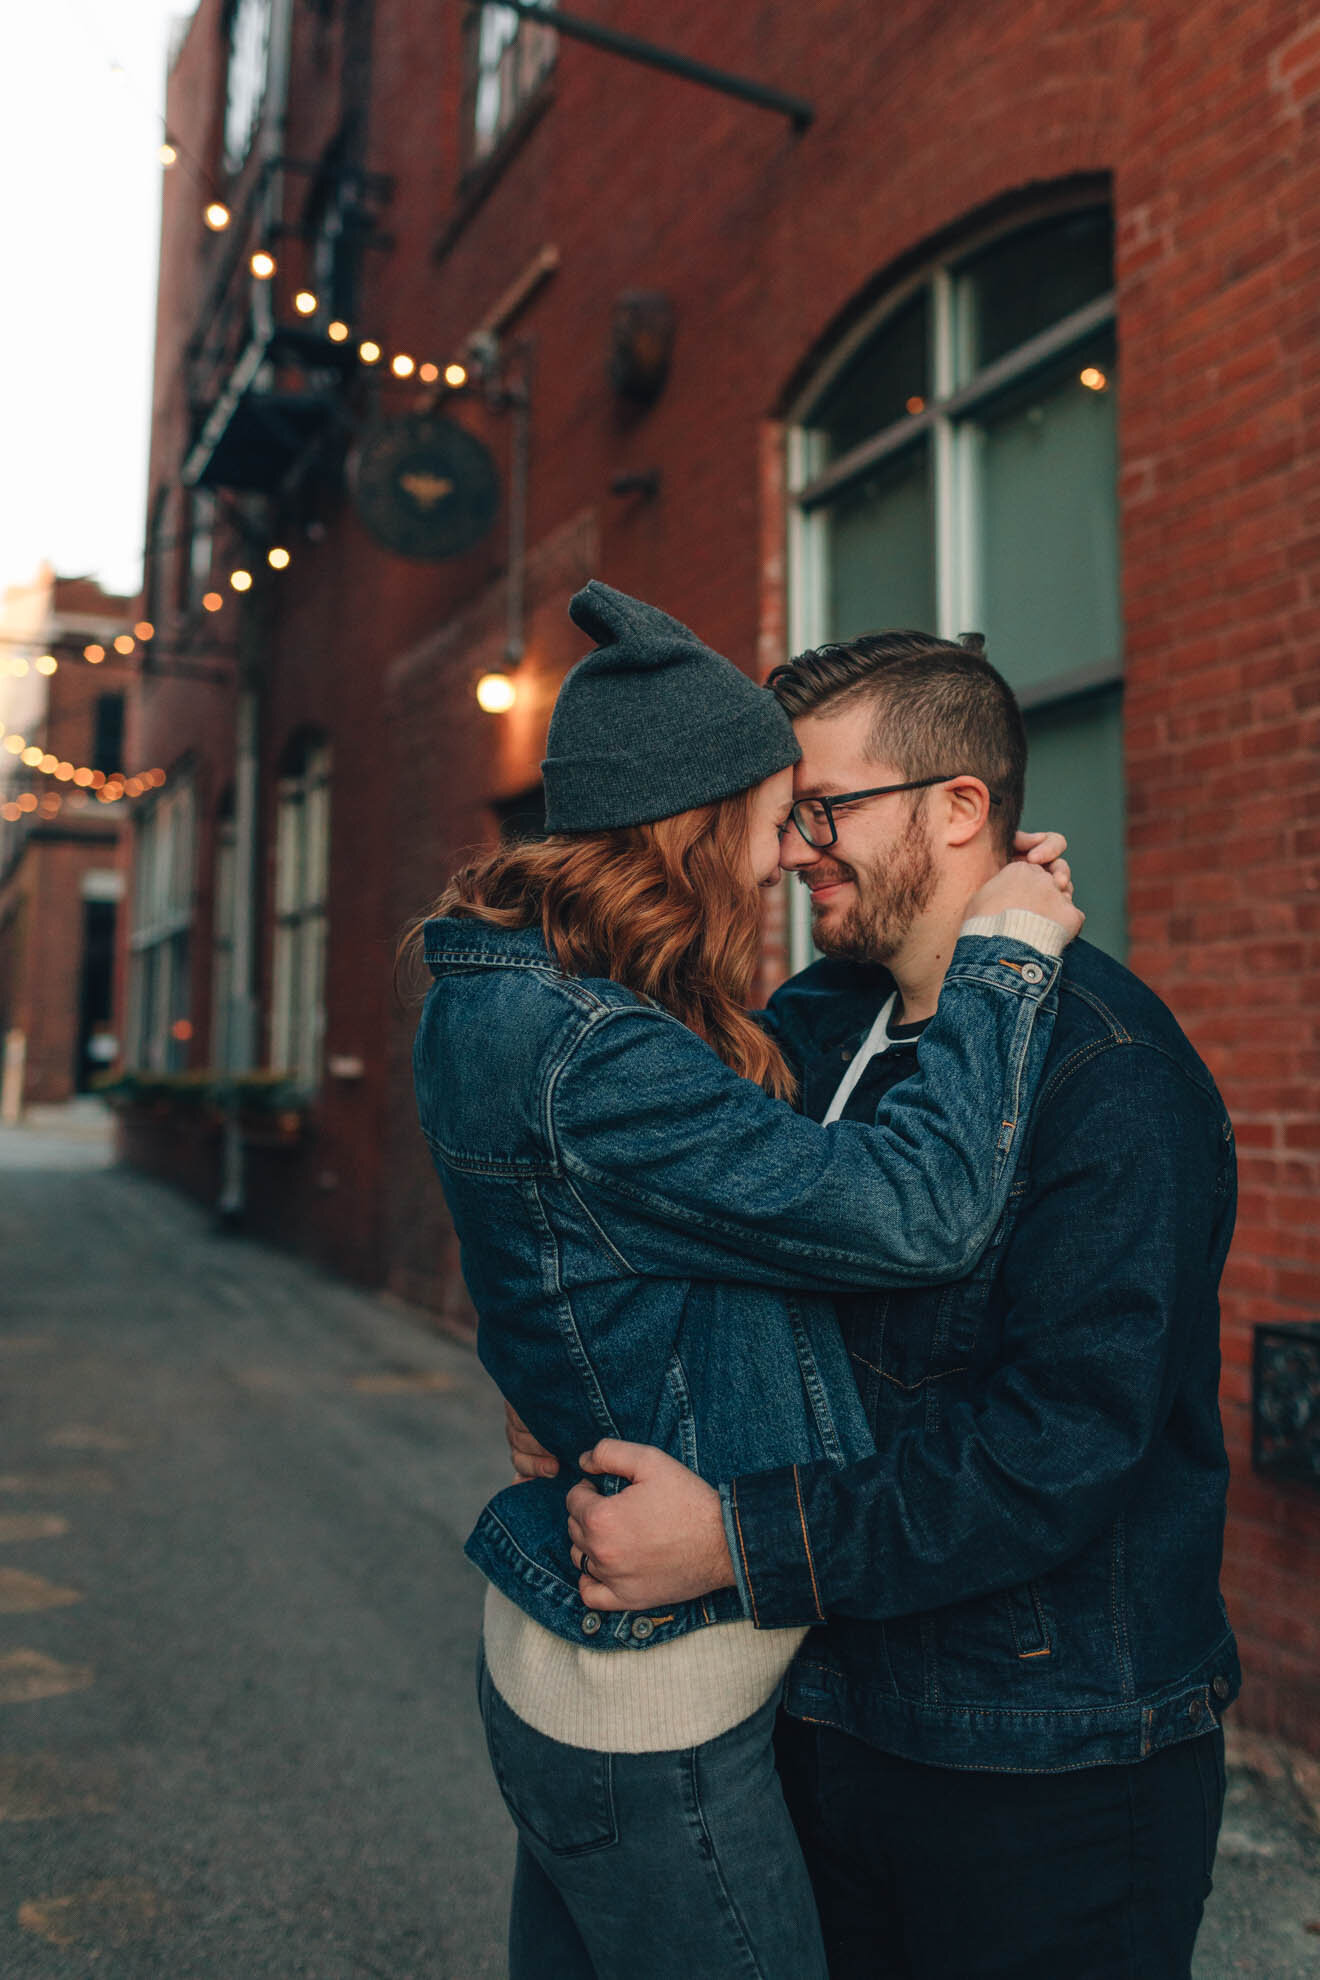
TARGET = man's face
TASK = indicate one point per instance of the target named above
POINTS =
(869, 888)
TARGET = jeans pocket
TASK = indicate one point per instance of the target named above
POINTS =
(561, 1797)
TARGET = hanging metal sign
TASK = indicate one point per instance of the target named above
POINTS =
(424, 487)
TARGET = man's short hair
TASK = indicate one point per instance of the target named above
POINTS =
(939, 709)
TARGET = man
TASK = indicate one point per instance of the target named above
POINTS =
(1004, 1753)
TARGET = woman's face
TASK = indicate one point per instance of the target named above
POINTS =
(771, 802)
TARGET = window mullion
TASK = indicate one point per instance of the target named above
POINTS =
(944, 467)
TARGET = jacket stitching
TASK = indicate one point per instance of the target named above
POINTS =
(742, 1549)
(806, 1544)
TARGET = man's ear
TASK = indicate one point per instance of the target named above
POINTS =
(967, 809)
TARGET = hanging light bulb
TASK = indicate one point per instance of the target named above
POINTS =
(212, 601)
(144, 629)
(305, 303)
(455, 376)
(277, 557)
(47, 664)
(124, 643)
(369, 352)
(496, 694)
(337, 332)
(216, 216)
(168, 155)
(402, 366)
(428, 373)
(241, 580)
(262, 265)
(94, 654)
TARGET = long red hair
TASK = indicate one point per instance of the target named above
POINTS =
(666, 909)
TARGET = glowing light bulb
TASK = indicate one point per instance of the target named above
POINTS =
(455, 375)
(212, 601)
(168, 155)
(337, 332)
(496, 694)
(15, 745)
(94, 654)
(124, 643)
(144, 629)
(428, 373)
(64, 771)
(369, 352)
(48, 664)
(1094, 379)
(277, 557)
(262, 265)
(916, 404)
(305, 303)
(402, 366)
(27, 802)
(82, 777)
(47, 764)
(241, 580)
(11, 812)
(32, 756)
(216, 216)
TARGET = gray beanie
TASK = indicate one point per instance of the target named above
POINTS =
(654, 722)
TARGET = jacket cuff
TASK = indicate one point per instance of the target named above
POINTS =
(767, 1528)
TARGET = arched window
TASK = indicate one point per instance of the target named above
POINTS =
(955, 467)
(302, 869)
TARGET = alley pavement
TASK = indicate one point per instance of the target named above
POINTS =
(238, 1737)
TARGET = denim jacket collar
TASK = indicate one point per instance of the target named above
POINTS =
(455, 939)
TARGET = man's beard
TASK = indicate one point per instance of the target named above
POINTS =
(888, 899)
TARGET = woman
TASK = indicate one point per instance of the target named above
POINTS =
(646, 1231)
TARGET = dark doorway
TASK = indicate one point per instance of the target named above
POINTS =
(96, 999)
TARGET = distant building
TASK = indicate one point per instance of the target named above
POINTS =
(63, 697)
(1011, 326)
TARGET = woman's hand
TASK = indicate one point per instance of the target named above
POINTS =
(1037, 889)
(1046, 849)
(529, 1459)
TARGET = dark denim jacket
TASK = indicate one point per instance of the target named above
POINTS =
(647, 1238)
(1025, 1575)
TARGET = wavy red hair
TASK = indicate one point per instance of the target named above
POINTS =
(666, 909)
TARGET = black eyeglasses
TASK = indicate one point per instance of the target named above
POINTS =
(814, 817)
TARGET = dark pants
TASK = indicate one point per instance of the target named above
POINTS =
(928, 1873)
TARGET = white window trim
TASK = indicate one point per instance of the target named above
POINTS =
(297, 1009)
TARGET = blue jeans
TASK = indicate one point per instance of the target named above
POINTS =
(663, 1866)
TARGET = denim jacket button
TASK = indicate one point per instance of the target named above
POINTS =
(1032, 973)
(1221, 1688)
(642, 1628)
(1195, 1709)
(590, 1623)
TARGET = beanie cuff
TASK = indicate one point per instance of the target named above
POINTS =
(604, 792)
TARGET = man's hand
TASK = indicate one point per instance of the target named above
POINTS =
(660, 1540)
(530, 1459)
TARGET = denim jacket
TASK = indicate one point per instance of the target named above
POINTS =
(648, 1238)
(1025, 1574)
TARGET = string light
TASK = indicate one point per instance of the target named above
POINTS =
(144, 630)
(31, 756)
(123, 642)
(455, 376)
(109, 788)
(216, 215)
(369, 352)
(241, 580)
(14, 744)
(1093, 379)
(212, 601)
(337, 332)
(402, 366)
(428, 373)
(48, 664)
(916, 404)
(278, 557)
(262, 265)
(496, 694)
(94, 654)
(305, 303)
(168, 155)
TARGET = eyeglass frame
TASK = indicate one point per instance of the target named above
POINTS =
(828, 804)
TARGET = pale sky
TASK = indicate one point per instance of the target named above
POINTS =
(79, 227)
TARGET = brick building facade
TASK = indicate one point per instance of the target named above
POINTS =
(1018, 332)
(61, 868)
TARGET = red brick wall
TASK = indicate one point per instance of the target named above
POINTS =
(1204, 119)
